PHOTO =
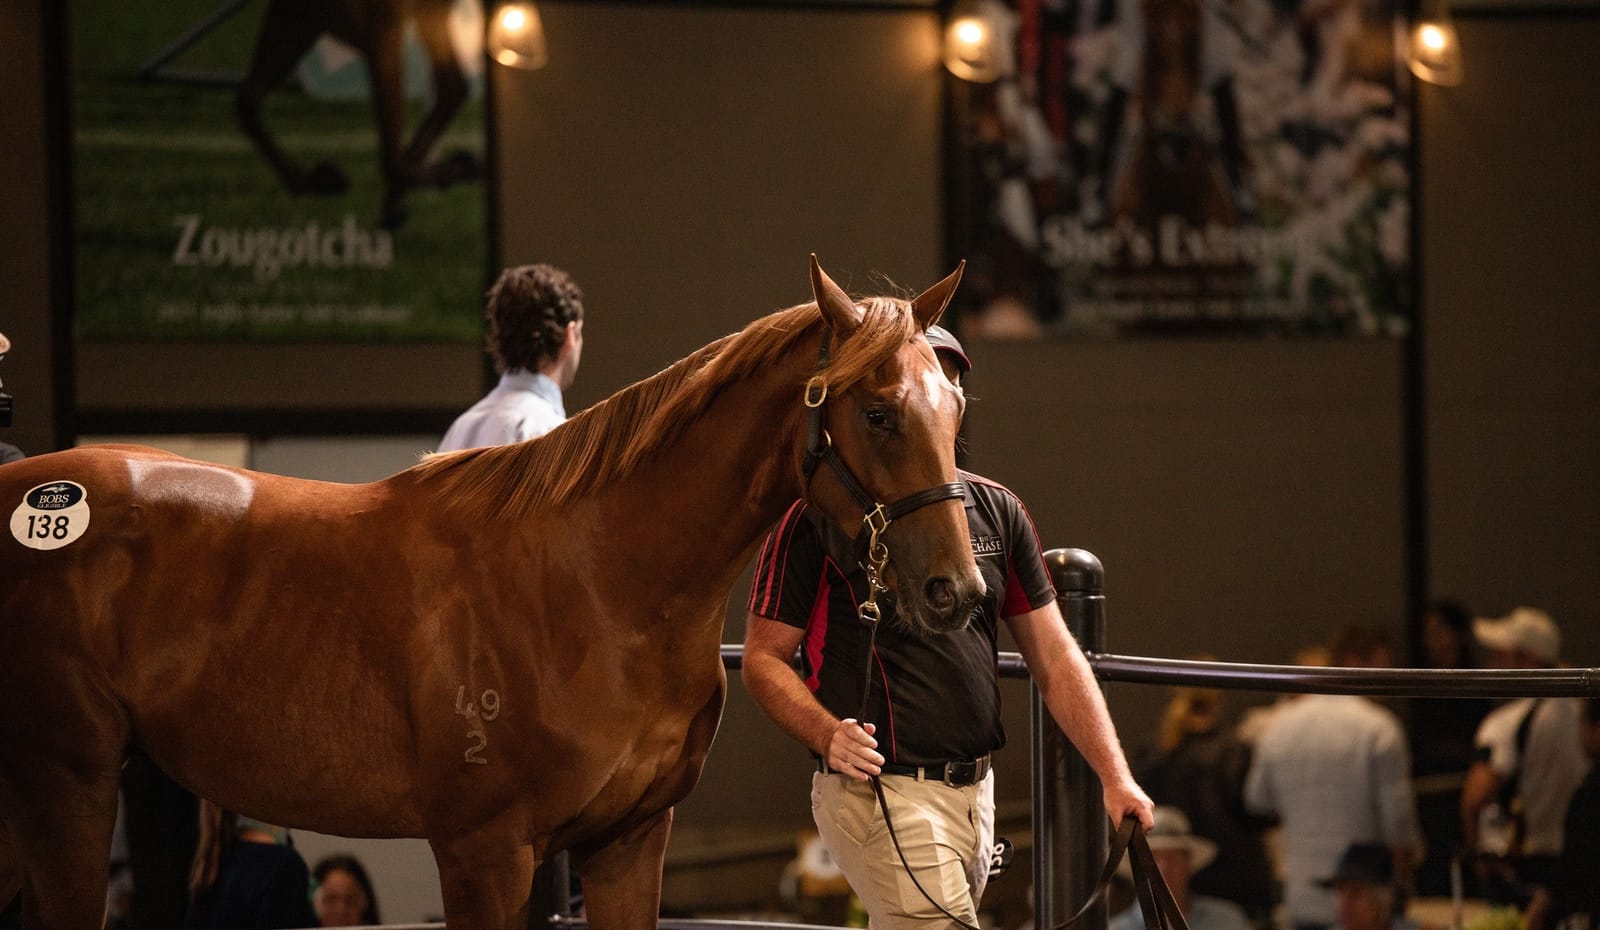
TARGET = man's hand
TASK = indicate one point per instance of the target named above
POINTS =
(1126, 797)
(852, 751)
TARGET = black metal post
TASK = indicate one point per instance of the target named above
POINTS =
(551, 900)
(1069, 820)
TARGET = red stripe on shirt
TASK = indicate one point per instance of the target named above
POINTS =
(754, 600)
(1016, 602)
(817, 629)
(775, 552)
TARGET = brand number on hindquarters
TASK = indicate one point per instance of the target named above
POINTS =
(485, 709)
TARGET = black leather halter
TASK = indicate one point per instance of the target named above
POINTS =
(819, 449)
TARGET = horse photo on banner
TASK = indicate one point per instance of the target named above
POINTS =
(240, 172)
(1186, 166)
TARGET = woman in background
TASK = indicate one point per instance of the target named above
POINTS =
(1199, 767)
(343, 895)
(246, 876)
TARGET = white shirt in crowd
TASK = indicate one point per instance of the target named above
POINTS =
(522, 406)
(1335, 768)
(1552, 772)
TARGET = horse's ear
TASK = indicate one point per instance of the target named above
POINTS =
(838, 310)
(931, 302)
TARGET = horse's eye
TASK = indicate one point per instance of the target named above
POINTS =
(878, 418)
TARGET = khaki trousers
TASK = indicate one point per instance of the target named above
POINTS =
(947, 834)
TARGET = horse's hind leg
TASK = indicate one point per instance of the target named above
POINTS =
(63, 835)
(449, 93)
(622, 879)
(287, 30)
(411, 167)
(62, 741)
(386, 67)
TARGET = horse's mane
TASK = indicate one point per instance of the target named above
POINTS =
(612, 438)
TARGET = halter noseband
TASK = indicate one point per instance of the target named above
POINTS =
(878, 516)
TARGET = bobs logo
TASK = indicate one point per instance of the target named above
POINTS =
(58, 495)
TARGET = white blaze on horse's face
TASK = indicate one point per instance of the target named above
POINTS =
(941, 393)
(932, 573)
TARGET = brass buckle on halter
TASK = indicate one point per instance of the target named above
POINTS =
(876, 522)
(816, 391)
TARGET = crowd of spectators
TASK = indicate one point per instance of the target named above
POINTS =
(1331, 810)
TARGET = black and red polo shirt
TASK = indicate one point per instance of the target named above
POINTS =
(934, 698)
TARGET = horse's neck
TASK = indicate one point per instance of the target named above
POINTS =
(705, 500)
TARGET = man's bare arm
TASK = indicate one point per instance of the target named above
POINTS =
(1069, 689)
(769, 647)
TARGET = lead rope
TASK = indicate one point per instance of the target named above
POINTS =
(875, 523)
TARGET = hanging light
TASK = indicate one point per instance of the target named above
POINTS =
(516, 36)
(1434, 52)
(972, 43)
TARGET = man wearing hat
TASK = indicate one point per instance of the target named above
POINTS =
(933, 717)
(1179, 854)
(1529, 760)
(1363, 884)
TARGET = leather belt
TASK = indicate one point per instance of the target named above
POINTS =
(957, 774)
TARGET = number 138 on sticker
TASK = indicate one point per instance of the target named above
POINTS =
(51, 515)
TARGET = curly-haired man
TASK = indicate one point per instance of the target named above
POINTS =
(535, 317)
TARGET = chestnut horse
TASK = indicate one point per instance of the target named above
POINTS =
(509, 650)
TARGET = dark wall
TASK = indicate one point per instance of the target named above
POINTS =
(1511, 227)
(682, 163)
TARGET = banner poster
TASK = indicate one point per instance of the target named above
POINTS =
(1187, 166)
(241, 174)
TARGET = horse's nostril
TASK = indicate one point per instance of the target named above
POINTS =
(941, 593)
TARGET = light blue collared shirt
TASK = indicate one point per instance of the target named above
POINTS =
(523, 405)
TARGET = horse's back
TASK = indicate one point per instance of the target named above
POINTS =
(138, 534)
(70, 508)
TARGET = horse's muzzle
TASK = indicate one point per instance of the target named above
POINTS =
(949, 602)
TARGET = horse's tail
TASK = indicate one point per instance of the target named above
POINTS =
(218, 830)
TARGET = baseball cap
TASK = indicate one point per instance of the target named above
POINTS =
(1364, 863)
(1525, 629)
(1172, 831)
(943, 340)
